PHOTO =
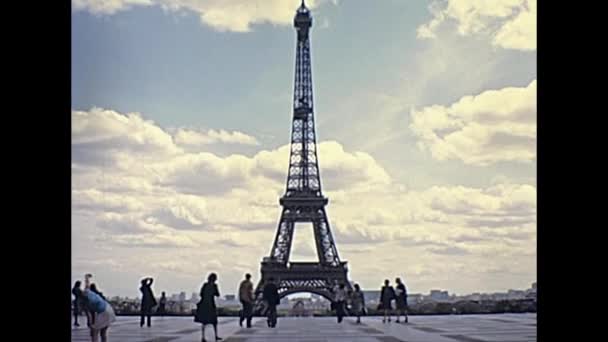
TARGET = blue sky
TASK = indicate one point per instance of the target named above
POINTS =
(424, 96)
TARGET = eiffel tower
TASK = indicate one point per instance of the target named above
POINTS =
(303, 200)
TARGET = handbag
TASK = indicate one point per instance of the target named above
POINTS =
(198, 310)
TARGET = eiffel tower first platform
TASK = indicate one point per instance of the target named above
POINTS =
(303, 200)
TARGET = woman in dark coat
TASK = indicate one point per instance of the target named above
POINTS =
(206, 312)
(358, 302)
(401, 299)
(147, 300)
(387, 295)
(76, 291)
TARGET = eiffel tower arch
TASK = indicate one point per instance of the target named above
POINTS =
(303, 200)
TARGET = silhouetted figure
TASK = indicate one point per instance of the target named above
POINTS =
(93, 288)
(387, 295)
(271, 297)
(246, 298)
(358, 303)
(206, 312)
(401, 299)
(340, 302)
(99, 312)
(162, 303)
(147, 301)
(77, 291)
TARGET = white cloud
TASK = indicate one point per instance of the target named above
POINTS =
(511, 24)
(108, 6)
(164, 200)
(190, 137)
(225, 15)
(494, 126)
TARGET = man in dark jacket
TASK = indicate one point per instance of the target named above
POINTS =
(271, 297)
(147, 300)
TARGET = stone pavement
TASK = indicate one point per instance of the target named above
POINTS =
(448, 328)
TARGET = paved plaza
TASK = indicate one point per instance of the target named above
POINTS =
(449, 328)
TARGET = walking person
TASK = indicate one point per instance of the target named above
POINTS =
(147, 301)
(358, 302)
(271, 297)
(387, 295)
(246, 298)
(340, 302)
(77, 291)
(162, 303)
(401, 299)
(99, 312)
(206, 311)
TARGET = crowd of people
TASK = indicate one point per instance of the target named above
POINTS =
(100, 314)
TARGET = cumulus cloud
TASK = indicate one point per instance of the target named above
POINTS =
(104, 136)
(494, 126)
(226, 15)
(511, 24)
(194, 138)
(107, 6)
(159, 199)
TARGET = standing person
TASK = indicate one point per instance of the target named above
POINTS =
(271, 297)
(358, 302)
(401, 299)
(93, 288)
(147, 301)
(340, 301)
(387, 295)
(76, 291)
(99, 312)
(206, 312)
(162, 303)
(246, 298)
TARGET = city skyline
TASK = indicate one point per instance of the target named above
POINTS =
(426, 118)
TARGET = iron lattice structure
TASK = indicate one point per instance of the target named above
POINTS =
(303, 200)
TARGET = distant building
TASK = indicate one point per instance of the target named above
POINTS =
(414, 298)
(439, 295)
(230, 297)
(516, 294)
(372, 298)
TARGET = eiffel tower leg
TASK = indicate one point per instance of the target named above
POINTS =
(326, 247)
(282, 241)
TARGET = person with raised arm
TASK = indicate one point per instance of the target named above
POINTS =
(147, 301)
